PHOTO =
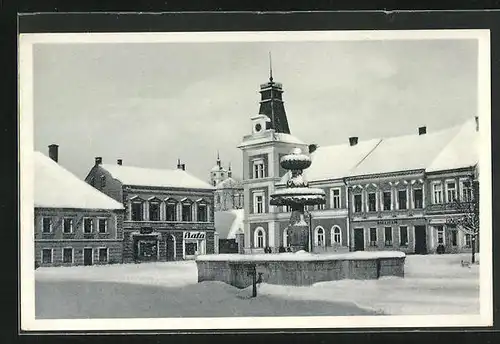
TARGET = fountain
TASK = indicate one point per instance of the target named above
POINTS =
(298, 268)
(297, 195)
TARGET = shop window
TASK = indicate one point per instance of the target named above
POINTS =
(388, 236)
(103, 255)
(372, 201)
(47, 256)
(373, 236)
(418, 198)
(67, 255)
(67, 225)
(403, 236)
(357, 203)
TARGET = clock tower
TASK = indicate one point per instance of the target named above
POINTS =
(268, 141)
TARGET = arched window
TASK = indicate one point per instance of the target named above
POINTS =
(336, 235)
(259, 238)
(319, 237)
(285, 238)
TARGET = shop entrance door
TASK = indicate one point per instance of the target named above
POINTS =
(87, 256)
(170, 248)
(359, 239)
(420, 240)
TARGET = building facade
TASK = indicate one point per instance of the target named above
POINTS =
(74, 223)
(396, 193)
(169, 214)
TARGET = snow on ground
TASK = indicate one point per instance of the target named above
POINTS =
(302, 256)
(434, 284)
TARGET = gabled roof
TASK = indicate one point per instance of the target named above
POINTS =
(130, 175)
(461, 151)
(334, 162)
(404, 153)
(56, 187)
(228, 223)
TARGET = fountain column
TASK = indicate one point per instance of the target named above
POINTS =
(297, 195)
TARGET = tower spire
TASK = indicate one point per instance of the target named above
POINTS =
(270, 68)
(218, 158)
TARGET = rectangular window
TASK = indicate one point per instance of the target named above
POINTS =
(388, 236)
(171, 210)
(335, 198)
(137, 211)
(454, 236)
(403, 236)
(466, 191)
(259, 204)
(87, 225)
(373, 236)
(187, 215)
(202, 213)
(357, 203)
(102, 225)
(67, 225)
(46, 225)
(47, 256)
(440, 234)
(468, 240)
(372, 201)
(258, 169)
(418, 198)
(451, 191)
(402, 199)
(437, 193)
(154, 211)
(103, 255)
(387, 200)
(67, 255)
(320, 207)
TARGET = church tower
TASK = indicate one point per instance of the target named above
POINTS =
(268, 141)
(218, 173)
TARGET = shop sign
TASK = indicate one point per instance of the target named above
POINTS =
(194, 235)
(387, 222)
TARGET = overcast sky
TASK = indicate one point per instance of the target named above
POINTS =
(152, 103)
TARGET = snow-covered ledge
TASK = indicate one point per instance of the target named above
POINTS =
(299, 268)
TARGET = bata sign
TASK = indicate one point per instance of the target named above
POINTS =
(194, 235)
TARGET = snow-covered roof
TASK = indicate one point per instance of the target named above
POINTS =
(461, 151)
(178, 178)
(333, 162)
(230, 183)
(404, 153)
(228, 223)
(56, 187)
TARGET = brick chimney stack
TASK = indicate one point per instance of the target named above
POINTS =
(119, 162)
(98, 160)
(353, 141)
(54, 152)
(422, 130)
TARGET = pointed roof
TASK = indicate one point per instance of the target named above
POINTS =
(56, 187)
(140, 176)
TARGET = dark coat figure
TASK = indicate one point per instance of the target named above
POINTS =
(440, 249)
(289, 249)
(281, 249)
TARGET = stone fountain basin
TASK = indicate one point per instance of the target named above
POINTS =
(299, 269)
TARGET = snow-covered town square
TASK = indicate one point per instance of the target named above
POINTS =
(249, 178)
(433, 285)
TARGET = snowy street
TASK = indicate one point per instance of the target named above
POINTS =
(433, 285)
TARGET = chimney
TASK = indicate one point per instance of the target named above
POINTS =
(477, 122)
(183, 166)
(312, 148)
(98, 160)
(54, 152)
(422, 130)
(179, 166)
(119, 162)
(353, 141)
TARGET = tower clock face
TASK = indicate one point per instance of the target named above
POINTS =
(258, 127)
